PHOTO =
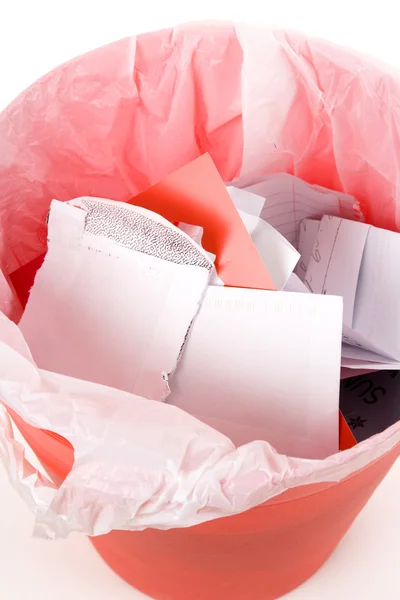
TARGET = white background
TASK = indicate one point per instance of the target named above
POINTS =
(37, 35)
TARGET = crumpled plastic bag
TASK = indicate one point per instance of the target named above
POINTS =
(113, 122)
(140, 463)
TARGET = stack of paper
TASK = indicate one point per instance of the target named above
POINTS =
(359, 263)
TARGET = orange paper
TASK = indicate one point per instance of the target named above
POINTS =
(196, 194)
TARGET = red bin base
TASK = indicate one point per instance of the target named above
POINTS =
(259, 555)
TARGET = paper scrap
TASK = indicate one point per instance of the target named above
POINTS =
(377, 314)
(359, 263)
(289, 200)
(294, 284)
(270, 372)
(308, 232)
(279, 257)
(246, 201)
(336, 261)
(358, 364)
(115, 297)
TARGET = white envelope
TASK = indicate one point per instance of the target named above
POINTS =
(102, 311)
(265, 365)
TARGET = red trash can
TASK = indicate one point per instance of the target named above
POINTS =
(120, 118)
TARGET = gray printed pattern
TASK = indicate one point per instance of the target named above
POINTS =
(132, 230)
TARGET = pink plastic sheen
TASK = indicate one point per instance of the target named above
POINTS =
(126, 115)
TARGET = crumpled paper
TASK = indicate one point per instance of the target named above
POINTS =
(111, 123)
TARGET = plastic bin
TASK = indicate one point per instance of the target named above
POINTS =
(114, 121)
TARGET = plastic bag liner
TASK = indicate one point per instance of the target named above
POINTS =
(109, 124)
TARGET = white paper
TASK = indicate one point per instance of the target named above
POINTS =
(308, 232)
(294, 284)
(265, 365)
(361, 354)
(193, 231)
(246, 201)
(289, 200)
(377, 313)
(278, 255)
(356, 363)
(336, 260)
(106, 313)
(196, 234)
(359, 263)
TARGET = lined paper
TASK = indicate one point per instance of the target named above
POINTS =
(289, 200)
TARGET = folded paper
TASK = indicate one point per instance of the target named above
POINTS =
(308, 231)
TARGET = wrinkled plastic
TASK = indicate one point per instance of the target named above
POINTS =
(142, 464)
(110, 124)
(9, 303)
